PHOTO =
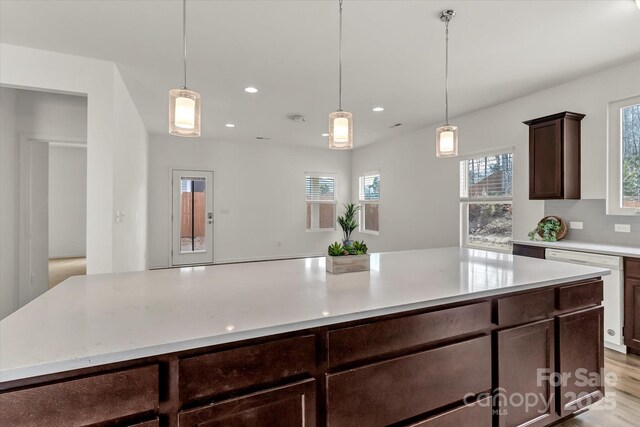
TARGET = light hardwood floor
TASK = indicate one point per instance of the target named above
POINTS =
(625, 394)
(61, 269)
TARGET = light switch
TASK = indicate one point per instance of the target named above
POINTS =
(622, 228)
(576, 225)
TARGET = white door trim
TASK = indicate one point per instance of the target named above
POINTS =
(25, 291)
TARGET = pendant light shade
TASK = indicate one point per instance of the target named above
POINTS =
(341, 130)
(184, 112)
(447, 135)
(340, 122)
(447, 141)
(184, 104)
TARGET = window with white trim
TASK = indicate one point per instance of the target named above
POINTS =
(486, 202)
(369, 197)
(321, 199)
(623, 166)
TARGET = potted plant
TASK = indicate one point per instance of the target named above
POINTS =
(348, 222)
(347, 258)
(550, 229)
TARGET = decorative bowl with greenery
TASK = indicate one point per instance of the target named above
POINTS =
(550, 229)
(348, 222)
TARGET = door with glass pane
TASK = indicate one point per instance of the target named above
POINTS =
(192, 235)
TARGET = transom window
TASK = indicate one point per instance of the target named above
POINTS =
(486, 202)
(321, 202)
(369, 197)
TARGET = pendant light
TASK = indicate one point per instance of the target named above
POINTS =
(340, 122)
(184, 104)
(447, 135)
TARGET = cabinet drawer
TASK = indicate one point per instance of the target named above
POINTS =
(632, 267)
(291, 405)
(527, 307)
(530, 251)
(477, 414)
(225, 371)
(395, 390)
(83, 401)
(389, 336)
(580, 295)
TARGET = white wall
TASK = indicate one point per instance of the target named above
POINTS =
(130, 190)
(110, 116)
(419, 192)
(116, 139)
(260, 185)
(67, 201)
(8, 202)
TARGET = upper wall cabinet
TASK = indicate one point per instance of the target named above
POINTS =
(554, 156)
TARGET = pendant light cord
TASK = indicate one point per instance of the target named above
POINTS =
(446, 72)
(340, 60)
(184, 40)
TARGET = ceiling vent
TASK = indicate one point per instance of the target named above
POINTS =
(296, 118)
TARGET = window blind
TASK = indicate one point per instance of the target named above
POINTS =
(320, 189)
(487, 178)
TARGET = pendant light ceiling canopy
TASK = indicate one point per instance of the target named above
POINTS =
(340, 122)
(447, 135)
(184, 104)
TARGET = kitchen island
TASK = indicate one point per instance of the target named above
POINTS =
(424, 338)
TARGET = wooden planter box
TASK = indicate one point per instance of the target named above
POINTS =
(347, 264)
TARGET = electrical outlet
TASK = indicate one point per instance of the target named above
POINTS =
(576, 225)
(622, 228)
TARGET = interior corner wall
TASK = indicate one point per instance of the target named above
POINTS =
(259, 196)
(130, 182)
(29, 68)
(419, 193)
(9, 203)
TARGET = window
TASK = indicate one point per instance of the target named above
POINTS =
(486, 201)
(369, 185)
(321, 202)
(623, 187)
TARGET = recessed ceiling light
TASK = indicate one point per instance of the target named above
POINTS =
(325, 134)
(250, 89)
(378, 109)
(230, 125)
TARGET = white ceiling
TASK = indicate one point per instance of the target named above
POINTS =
(393, 56)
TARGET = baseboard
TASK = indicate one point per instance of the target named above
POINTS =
(66, 256)
(616, 347)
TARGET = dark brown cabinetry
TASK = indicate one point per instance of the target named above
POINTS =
(114, 396)
(292, 406)
(580, 359)
(526, 359)
(554, 156)
(530, 251)
(632, 305)
(432, 367)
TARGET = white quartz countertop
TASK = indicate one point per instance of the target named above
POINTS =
(598, 248)
(92, 320)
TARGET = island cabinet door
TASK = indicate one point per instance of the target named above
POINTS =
(293, 405)
(525, 394)
(580, 359)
